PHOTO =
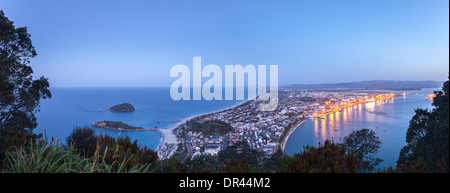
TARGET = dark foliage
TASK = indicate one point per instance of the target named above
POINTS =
(274, 162)
(212, 127)
(19, 93)
(82, 138)
(16, 140)
(124, 148)
(428, 134)
(239, 151)
(417, 167)
(364, 143)
(238, 166)
(113, 151)
(204, 163)
(171, 165)
(329, 158)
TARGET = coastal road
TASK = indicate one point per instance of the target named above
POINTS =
(187, 141)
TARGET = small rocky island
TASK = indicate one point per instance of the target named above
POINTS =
(124, 107)
(117, 125)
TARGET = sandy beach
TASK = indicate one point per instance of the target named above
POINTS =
(168, 133)
(169, 137)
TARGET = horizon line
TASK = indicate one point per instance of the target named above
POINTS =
(130, 86)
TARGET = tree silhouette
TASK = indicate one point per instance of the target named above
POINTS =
(364, 143)
(428, 134)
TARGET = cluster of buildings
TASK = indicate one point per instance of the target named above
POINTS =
(197, 143)
(331, 102)
(264, 130)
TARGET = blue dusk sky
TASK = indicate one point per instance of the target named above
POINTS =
(135, 43)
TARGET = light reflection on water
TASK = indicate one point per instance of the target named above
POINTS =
(332, 125)
(388, 118)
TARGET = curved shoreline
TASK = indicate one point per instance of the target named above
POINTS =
(283, 145)
(168, 135)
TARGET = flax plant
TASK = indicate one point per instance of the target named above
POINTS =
(43, 156)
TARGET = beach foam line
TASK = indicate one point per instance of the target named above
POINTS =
(165, 139)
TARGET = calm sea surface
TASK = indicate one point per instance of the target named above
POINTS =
(388, 118)
(70, 107)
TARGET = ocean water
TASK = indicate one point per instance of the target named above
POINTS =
(388, 118)
(70, 107)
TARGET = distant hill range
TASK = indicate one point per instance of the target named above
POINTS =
(372, 85)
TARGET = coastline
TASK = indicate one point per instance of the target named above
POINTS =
(168, 135)
(117, 129)
(283, 145)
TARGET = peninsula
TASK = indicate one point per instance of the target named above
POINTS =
(268, 131)
(117, 125)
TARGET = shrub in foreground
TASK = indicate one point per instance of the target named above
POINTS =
(327, 158)
(42, 156)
